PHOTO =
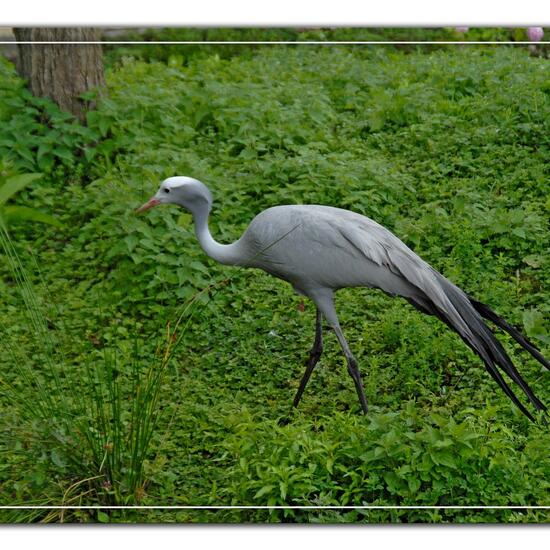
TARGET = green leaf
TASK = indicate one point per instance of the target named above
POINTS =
(15, 184)
(102, 517)
(445, 458)
(104, 124)
(414, 484)
(131, 242)
(90, 153)
(43, 149)
(402, 471)
(519, 231)
(442, 443)
(264, 490)
(185, 219)
(17, 214)
(63, 153)
(46, 163)
(533, 321)
(25, 152)
(393, 482)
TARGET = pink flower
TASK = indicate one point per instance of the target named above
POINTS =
(535, 34)
(462, 29)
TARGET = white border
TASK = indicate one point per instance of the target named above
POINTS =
(305, 507)
(215, 13)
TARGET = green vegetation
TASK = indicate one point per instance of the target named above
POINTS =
(134, 370)
(10, 184)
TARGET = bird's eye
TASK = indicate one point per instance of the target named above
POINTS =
(166, 190)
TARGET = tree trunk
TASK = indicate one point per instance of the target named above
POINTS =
(61, 71)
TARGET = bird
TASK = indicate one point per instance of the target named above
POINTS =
(322, 249)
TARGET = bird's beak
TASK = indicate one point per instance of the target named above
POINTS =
(149, 204)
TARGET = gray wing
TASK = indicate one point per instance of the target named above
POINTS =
(404, 272)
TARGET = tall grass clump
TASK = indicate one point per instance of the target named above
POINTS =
(87, 432)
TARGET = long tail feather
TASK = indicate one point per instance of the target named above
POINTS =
(464, 316)
(488, 313)
(507, 390)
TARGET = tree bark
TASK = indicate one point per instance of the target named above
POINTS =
(61, 72)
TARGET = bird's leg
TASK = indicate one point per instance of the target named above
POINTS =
(324, 300)
(314, 356)
(353, 369)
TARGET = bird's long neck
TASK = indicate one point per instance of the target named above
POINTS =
(223, 253)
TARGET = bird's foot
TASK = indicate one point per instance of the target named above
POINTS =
(353, 370)
(284, 421)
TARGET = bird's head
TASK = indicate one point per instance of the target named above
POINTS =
(189, 193)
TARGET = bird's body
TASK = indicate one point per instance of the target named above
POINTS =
(321, 249)
(323, 239)
(316, 248)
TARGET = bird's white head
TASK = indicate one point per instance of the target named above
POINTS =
(187, 192)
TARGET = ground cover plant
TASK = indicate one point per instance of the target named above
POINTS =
(135, 370)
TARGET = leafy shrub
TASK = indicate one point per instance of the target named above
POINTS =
(37, 136)
(10, 184)
(402, 458)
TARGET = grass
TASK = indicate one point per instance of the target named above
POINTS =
(97, 424)
(447, 148)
